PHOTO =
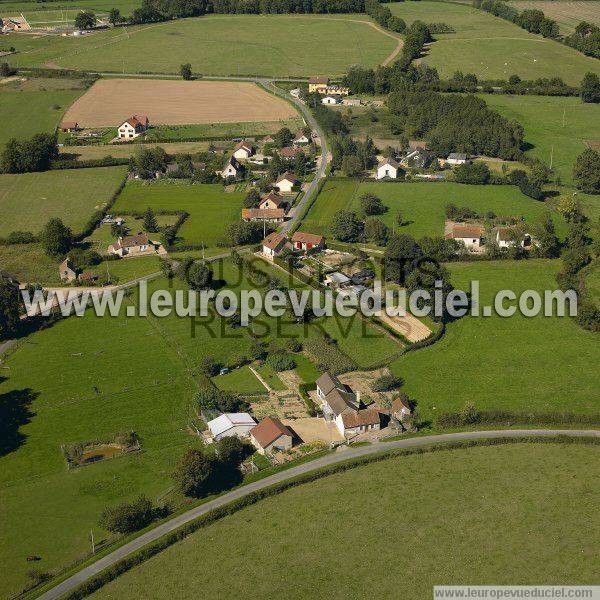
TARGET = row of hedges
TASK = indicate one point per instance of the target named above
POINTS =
(508, 418)
(107, 161)
(304, 388)
(124, 565)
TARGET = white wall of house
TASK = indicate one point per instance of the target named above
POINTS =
(242, 154)
(387, 171)
(285, 186)
(471, 243)
(127, 131)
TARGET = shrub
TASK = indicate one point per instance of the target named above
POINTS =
(385, 383)
(329, 357)
(128, 516)
(280, 361)
(194, 473)
(209, 366)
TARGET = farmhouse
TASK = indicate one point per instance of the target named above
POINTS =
(273, 200)
(69, 126)
(507, 237)
(331, 99)
(300, 139)
(470, 235)
(307, 241)
(68, 271)
(289, 152)
(400, 408)
(418, 158)
(233, 168)
(456, 158)
(321, 85)
(271, 435)
(133, 127)
(342, 406)
(286, 182)
(230, 425)
(269, 215)
(243, 150)
(387, 168)
(135, 245)
(273, 245)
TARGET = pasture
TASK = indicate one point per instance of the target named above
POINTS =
(34, 106)
(515, 502)
(422, 204)
(110, 101)
(27, 201)
(556, 128)
(566, 13)
(536, 364)
(127, 150)
(211, 209)
(492, 48)
(281, 45)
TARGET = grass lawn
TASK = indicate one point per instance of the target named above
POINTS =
(422, 204)
(241, 380)
(27, 108)
(492, 48)
(267, 45)
(306, 369)
(555, 127)
(211, 209)
(27, 201)
(540, 364)
(271, 377)
(514, 502)
(226, 130)
(101, 6)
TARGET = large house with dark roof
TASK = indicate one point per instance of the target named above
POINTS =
(342, 406)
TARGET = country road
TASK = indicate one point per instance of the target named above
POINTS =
(337, 457)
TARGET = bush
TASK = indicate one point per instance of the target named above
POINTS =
(209, 366)
(385, 383)
(128, 516)
(195, 473)
(475, 174)
(329, 357)
(211, 398)
(280, 361)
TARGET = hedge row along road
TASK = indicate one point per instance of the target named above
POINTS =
(347, 454)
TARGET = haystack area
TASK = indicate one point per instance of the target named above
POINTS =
(110, 101)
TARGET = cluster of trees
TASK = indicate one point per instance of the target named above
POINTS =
(26, 156)
(352, 156)
(586, 171)
(6, 70)
(383, 15)
(451, 123)
(147, 161)
(197, 274)
(85, 20)
(590, 88)
(575, 257)
(241, 233)
(57, 238)
(533, 21)
(585, 38)
(9, 307)
(210, 398)
(348, 226)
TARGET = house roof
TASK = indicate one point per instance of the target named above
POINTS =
(228, 421)
(388, 161)
(136, 120)
(506, 234)
(67, 264)
(263, 213)
(243, 145)
(300, 135)
(460, 231)
(287, 176)
(457, 156)
(275, 198)
(268, 431)
(334, 96)
(339, 396)
(324, 80)
(274, 240)
(338, 277)
(69, 125)
(307, 238)
(289, 152)
(129, 241)
(88, 276)
(328, 382)
(233, 161)
(399, 403)
(368, 416)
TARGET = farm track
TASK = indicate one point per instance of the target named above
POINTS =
(347, 454)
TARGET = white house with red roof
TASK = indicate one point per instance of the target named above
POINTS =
(307, 241)
(132, 127)
(286, 182)
(243, 150)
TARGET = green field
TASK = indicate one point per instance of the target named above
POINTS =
(477, 515)
(271, 377)
(265, 45)
(27, 201)
(555, 127)
(34, 107)
(211, 209)
(422, 204)
(537, 364)
(242, 381)
(31, 9)
(492, 48)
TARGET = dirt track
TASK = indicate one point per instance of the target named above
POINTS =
(110, 101)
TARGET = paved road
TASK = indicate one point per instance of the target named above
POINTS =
(345, 454)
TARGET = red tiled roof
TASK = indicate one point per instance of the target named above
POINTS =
(307, 238)
(359, 418)
(243, 144)
(324, 80)
(289, 152)
(289, 176)
(465, 231)
(275, 198)
(263, 213)
(268, 431)
(273, 240)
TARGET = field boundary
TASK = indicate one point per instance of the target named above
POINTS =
(108, 568)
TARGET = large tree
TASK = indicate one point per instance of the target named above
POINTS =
(195, 473)
(56, 238)
(346, 226)
(371, 204)
(401, 255)
(586, 171)
(85, 20)
(199, 276)
(590, 88)
(186, 71)
(150, 222)
(9, 307)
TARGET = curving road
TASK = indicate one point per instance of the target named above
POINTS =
(339, 456)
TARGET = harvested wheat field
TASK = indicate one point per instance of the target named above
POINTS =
(110, 101)
(567, 14)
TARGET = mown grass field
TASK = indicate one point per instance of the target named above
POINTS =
(492, 48)
(241, 381)
(537, 364)
(501, 506)
(211, 209)
(26, 109)
(567, 14)
(268, 45)
(27, 201)
(555, 127)
(422, 204)
(100, 6)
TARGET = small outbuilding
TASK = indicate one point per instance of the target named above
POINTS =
(231, 425)
(456, 158)
(271, 435)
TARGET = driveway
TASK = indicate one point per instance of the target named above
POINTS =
(348, 453)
